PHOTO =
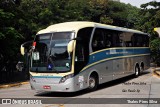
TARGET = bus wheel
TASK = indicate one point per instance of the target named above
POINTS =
(137, 71)
(93, 83)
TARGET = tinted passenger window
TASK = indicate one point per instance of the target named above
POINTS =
(134, 40)
(98, 40)
(139, 40)
(125, 37)
(104, 38)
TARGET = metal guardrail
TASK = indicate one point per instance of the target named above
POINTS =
(9, 74)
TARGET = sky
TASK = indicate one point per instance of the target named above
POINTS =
(137, 3)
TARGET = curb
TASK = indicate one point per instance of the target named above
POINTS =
(13, 85)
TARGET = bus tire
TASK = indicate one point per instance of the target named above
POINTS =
(93, 82)
(137, 71)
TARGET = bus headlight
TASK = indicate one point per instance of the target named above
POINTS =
(63, 79)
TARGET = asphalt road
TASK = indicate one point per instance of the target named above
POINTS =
(145, 86)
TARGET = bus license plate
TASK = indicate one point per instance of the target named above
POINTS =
(46, 87)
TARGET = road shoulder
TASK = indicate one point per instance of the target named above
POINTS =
(18, 84)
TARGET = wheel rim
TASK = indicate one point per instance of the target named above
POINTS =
(92, 82)
(137, 72)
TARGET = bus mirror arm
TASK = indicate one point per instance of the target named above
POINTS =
(22, 49)
(77, 38)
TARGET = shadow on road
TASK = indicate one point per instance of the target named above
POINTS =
(100, 87)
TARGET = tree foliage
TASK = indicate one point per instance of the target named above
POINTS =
(150, 13)
(21, 19)
(150, 18)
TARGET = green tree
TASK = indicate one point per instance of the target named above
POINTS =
(120, 14)
(21, 19)
(150, 18)
(155, 50)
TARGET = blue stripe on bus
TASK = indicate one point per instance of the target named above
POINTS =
(116, 53)
(47, 77)
(112, 58)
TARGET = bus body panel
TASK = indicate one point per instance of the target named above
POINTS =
(80, 81)
(68, 86)
(109, 63)
(73, 84)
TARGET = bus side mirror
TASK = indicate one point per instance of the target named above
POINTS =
(70, 46)
(26, 46)
(157, 30)
(22, 49)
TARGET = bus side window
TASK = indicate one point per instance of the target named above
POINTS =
(116, 40)
(82, 49)
(121, 40)
(98, 40)
(82, 46)
(79, 53)
(105, 38)
(134, 40)
(139, 40)
(146, 40)
(108, 40)
(127, 39)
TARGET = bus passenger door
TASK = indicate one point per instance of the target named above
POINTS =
(101, 42)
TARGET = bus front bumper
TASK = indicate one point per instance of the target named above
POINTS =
(67, 86)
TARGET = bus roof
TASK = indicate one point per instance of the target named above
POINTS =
(76, 25)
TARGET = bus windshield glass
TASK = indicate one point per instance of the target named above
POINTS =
(50, 52)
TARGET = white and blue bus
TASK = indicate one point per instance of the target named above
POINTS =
(72, 56)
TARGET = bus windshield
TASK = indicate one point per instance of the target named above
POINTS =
(50, 53)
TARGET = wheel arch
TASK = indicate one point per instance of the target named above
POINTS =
(93, 73)
(135, 65)
(142, 64)
(136, 74)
